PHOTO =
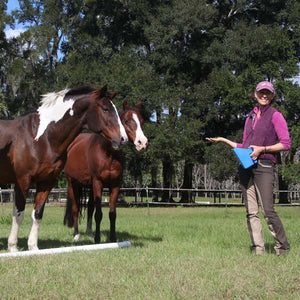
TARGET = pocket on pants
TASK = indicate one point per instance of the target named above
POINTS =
(266, 163)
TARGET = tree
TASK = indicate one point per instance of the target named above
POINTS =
(34, 55)
(4, 48)
(289, 101)
(178, 32)
(258, 44)
(194, 65)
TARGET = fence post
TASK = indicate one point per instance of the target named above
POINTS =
(12, 195)
(147, 194)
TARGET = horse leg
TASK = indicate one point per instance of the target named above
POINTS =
(74, 196)
(90, 212)
(97, 190)
(71, 212)
(17, 218)
(113, 212)
(42, 192)
(75, 209)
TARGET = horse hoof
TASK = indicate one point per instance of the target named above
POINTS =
(89, 233)
(33, 248)
(76, 237)
(13, 248)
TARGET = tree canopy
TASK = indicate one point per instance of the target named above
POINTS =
(193, 64)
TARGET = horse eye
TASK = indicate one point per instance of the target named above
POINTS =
(126, 122)
(105, 109)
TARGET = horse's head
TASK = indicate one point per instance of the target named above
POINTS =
(133, 121)
(102, 117)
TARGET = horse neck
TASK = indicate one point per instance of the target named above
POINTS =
(104, 147)
(63, 134)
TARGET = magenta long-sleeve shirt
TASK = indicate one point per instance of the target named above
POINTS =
(280, 127)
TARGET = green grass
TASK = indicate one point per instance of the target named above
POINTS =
(176, 253)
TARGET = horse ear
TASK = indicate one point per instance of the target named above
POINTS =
(125, 105)
(101, 92)
(112, 95)
(104, 88)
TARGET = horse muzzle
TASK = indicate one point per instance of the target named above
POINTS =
(117, 144)
(141, 144)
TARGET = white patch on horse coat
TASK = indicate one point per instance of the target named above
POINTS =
(76, 237)
(34, 232)
(140, 141)
(53, 109)
(16, 223)
(122, 129)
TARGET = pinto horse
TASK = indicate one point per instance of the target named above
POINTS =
(93, 162)
(33, 147)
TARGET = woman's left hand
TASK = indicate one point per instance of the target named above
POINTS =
(257, 150)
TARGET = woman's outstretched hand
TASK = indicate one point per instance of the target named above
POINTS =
(218, 139)
(215, 140)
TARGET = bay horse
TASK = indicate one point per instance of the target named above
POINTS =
(92, 162)
(33, 147)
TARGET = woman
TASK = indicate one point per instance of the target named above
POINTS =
(266, 132)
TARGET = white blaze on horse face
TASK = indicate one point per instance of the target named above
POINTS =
(123, 134)
(53, 109)
(140, 141)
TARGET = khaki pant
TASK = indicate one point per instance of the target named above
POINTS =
(257, 184)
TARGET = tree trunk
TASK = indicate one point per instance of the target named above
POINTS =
(154, 183)
(138, 181)
(283, 186)
(167, 177)
(187, 196)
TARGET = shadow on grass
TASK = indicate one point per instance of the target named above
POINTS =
(136, 241)
(270, 248)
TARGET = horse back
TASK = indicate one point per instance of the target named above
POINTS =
(7, 132)
(14, 135)
(11, 130)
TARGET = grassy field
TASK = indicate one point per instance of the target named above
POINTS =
(176, 253)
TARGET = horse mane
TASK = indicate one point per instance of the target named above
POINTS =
(51, 98)
(80, 91)
(96, 93)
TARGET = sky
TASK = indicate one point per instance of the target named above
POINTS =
(11, 5)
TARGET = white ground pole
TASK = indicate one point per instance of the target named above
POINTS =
(68, 249)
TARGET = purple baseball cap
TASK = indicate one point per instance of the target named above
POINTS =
(265, 85)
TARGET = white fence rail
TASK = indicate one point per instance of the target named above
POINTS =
(148, 194)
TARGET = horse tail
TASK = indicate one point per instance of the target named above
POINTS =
(81, 200)
(69, 217)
